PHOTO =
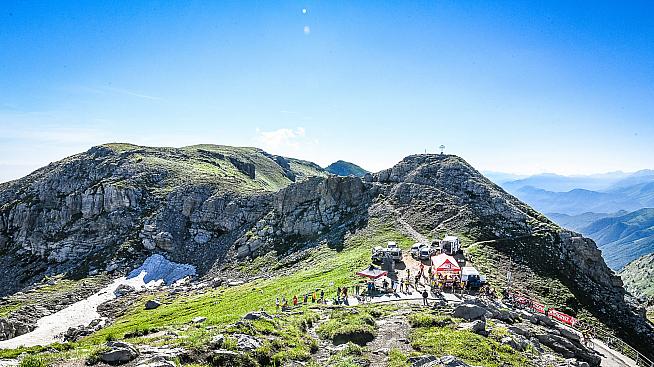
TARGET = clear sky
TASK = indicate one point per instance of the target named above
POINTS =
(522, 87)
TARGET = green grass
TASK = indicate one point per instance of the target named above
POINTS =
(472, 348)
(350, 356)
(396, 358)
(12, 306)
(427, 319)
(34, 361)
(349, 325)
(227, 305)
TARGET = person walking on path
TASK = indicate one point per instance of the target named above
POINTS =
(424, 297)
(277, 304)
(322, 296)
(295, 300)
(306, 298)
(314, 297)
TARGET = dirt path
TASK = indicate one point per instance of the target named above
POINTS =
(393, 333)
(322, 355)
(610, 357)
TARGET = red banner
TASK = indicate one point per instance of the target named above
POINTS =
(566, 319)
(538, 307)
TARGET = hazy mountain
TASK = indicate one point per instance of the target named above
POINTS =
(636, 178)
(500, 178)
(623, 238)
(559, 183)
(579, 201)
(580, 221)
(343, 168)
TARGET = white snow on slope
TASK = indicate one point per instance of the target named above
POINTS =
(156, 270)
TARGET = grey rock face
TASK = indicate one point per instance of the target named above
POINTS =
(470, 312)
(152, 304)
(119, 353)
(13, 328)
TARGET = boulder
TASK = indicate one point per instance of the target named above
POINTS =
(217, 341)
(477, 327)
(246, 342)
(257, 316)
(452, 361)
(156, 361)
(569, 334)
(124, 289)
(520, 330)
(469, 312)
(423, 361)
(199, 320)
(539, 318)
(507, 340)
(119, 353)
(152, 304)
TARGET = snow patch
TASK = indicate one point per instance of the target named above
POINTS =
(160, 270)
(155, 271)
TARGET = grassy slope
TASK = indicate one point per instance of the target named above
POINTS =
(638, 276)
(226, 305)
(203, 164)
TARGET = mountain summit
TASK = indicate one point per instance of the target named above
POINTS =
(343, 168)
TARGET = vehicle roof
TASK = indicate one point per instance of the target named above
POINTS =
(469, 270)
(450, 238)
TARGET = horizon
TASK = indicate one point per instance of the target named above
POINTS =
(513, 88)
(487, 173)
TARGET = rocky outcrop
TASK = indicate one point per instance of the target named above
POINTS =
(119, 353)
(13, 328)
(317, 207)
(112, 206)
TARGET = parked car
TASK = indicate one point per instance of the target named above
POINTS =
(415, 249)
(425, 253)
(378, 253)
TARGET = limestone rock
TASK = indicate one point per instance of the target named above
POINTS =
(119, 353)
(469, 312)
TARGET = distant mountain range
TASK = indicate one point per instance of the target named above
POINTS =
(614, 209)
(343, 168)
(596, 182)
(606, 193)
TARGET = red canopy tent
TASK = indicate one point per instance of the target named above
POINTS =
(445, 264)
(372, 272)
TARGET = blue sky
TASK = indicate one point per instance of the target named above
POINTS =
(565, 87)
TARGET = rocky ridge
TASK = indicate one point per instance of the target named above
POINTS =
(108, 208)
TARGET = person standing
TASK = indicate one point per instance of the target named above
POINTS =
(425, 294)
(322, 296)
(295, 300)
(277, 304)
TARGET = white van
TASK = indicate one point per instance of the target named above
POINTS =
(450, 245)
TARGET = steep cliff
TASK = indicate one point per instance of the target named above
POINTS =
(112, 205)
